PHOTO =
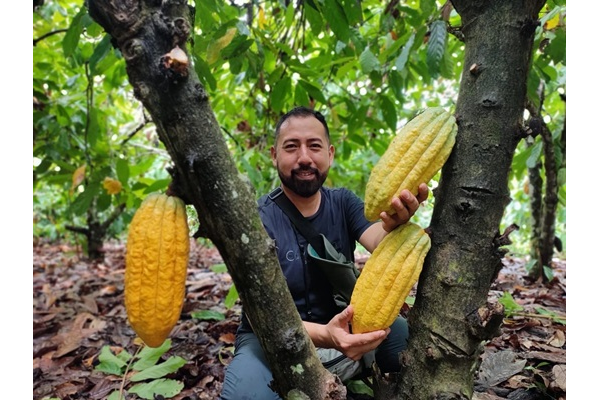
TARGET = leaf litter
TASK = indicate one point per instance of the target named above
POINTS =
(78, 309)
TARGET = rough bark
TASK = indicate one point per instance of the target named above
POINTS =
(145, 32)
(451, 317)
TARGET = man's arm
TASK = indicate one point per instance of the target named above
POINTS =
(405, 205)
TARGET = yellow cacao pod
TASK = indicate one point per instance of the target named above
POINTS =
(414, 156)
(156, 261)
(387, 277)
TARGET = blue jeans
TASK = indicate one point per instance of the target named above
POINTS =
(248, 375)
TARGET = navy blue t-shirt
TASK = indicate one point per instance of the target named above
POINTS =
(341, 219)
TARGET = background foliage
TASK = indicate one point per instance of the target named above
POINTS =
(369, 66)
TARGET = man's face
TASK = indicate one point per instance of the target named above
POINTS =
(302, 155)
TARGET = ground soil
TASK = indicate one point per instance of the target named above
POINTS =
(78, 310)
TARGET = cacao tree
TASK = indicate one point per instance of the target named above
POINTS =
(451, 317)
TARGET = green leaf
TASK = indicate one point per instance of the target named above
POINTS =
(359, 387)
(353, 10)
(536, 153)
(368, 61)
(232, 296)
(402, 59)
(116, 395)
(300, 96)
(509, 303)
(313, 91)
(158, 185)
(218, 268)
(101, 51)
(388, 109)
(557, 48)
(160, 387)
(280, 92)
(172, 364)
(436, 46)
(71, 39)
(289, 15)
(207, 315)
(122, 171)
(335, 15)
(84, 200)
(238, 46)
(110, 363)
(149, 356)
(204, 73)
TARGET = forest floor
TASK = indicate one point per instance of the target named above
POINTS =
(78, 309)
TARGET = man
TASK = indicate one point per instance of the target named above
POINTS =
(303, 154)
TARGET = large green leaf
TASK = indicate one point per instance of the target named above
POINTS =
(335, 15)
(170, 365)
(436, 46)
(71, 39)
(165, 388)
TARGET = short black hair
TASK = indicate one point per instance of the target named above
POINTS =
(301, 111)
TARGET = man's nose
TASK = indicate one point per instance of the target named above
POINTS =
(304, 156)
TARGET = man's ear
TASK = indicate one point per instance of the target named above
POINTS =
(331, 154)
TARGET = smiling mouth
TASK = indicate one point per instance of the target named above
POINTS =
(305, 174)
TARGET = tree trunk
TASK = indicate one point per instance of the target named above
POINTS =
(543, 202)
(146, 32)
(451, 317)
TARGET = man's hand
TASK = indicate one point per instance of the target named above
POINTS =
(336, 334)
(405, 205)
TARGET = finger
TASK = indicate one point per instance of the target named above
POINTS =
(423, 193)
(409, 201)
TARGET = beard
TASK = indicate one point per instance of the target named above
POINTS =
(303, 187)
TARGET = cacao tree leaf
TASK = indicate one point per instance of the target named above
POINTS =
(313, 91)
(159, 387)
(536, 152)
(280, 92)
(71, 39)
(368, 61)
(149, 356)
(388, 109)
(111, 363)
(204, 73)
(289, 15)
(300, 96)
(436, 46)
(208, 315)
(335, 15)
(238, 46)
(122, 170)
(83, 201)
(402, 59)
(101, 50)
(232, 296)
(170, 365)
(314, 18)
(353, 11)
(557, 48)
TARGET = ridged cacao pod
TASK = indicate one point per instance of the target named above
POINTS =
(414, 156)
(158, 246)
(387, 277)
